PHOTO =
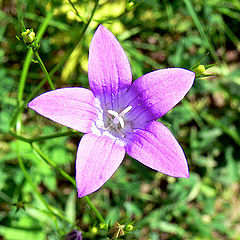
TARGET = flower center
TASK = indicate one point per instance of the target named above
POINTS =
(118, 118)
(116, 121)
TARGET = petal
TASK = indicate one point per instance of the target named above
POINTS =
(161, 90)
(72, 107)
(157, 148)
(108, 66)
(98, 157)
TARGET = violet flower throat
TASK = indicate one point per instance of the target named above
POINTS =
(118, 116)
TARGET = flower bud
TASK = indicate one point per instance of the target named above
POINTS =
(28, 36)
(200, 69)
(94, 230)
(103, 226)
(130, 5)
(129, 227)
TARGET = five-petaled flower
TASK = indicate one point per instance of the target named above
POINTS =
(118, 116)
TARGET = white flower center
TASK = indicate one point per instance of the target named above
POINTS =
(118, 118)
(113, 123)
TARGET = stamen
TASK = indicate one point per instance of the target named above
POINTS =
(117, 118)
(121, 121)
(126, 110)
(114, 113)
(120, 133)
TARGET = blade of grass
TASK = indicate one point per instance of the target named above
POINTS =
(201, 30)
(77, 13)
(42, 138)
(231, 35)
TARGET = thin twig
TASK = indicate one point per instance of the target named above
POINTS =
(42, 138)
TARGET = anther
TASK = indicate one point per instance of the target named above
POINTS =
(126, 110)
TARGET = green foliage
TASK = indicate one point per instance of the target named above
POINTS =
(40, 202)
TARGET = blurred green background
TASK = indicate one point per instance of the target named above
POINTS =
(155, 34)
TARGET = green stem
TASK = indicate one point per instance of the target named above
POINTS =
(52, 164)
(44, 70)
(29, 56)
(81, 18)
(24, 75)
(67, 176)
(98, 214)
(42, 138)
(30, 181)
(201, 30)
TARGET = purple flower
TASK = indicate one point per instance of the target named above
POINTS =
(74, 235)
(119, 116)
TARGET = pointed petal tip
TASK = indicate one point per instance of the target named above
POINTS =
(188, 73)
(85, 193)
(188, 176)
(191, 74)
(182, 71)
(31, 104)
(103, 34)
(73, 107)
(170, 87)
(81, 194)
(157, 148)
(101, 28)
(109, 71)
(185, 175)
(182, 172)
